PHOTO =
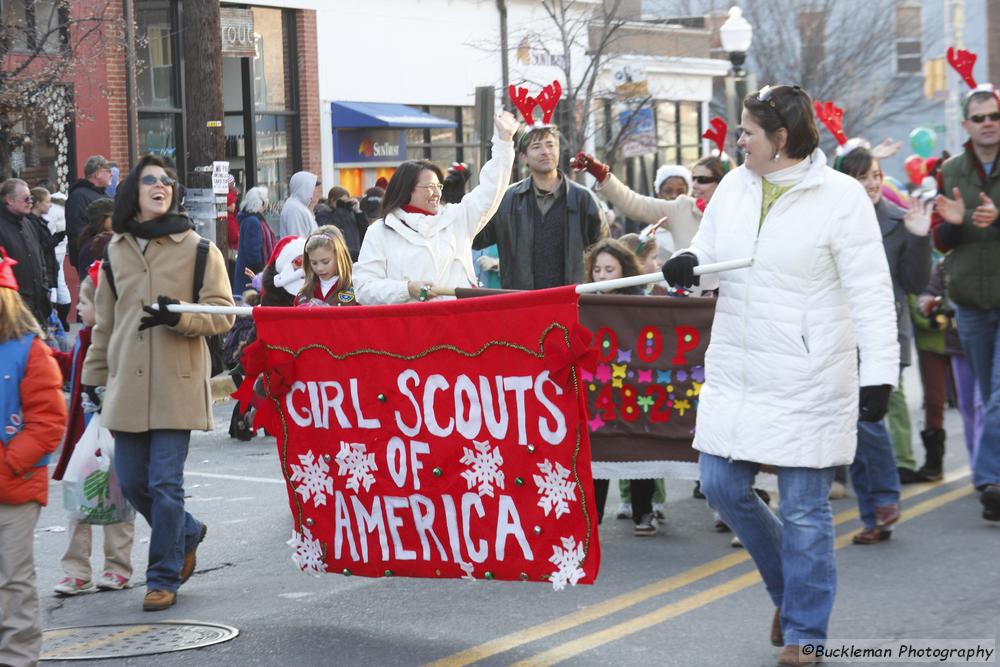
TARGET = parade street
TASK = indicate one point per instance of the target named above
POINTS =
(682, 597)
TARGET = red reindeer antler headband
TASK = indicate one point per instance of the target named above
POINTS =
(832, 118)
(717, 133)
(94, 271)
(963, 61)
(547, 99)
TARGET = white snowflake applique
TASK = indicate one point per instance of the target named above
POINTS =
(354, 462)
(468, 569)
(485, 462)
(312, 479)
(555, 487)
(308, 553)
(567, 560)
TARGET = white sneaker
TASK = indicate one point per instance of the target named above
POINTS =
(736, 543)
(624, 511)
(110, 581)
(73, 586)
(646, 526)
(837, 490)
(660, 510)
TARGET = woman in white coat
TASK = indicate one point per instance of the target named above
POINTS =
(782, 372)
(422, 245)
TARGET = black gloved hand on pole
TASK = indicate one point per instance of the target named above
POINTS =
(679, 270)
(162, 316)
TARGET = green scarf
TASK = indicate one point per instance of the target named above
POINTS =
(770, 194)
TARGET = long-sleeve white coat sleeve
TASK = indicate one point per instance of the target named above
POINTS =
(864, 275)
(478, 206)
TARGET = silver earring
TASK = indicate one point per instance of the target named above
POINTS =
(777, 156)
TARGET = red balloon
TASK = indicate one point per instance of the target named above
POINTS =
(916, 169)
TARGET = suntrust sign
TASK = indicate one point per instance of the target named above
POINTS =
(369, 145)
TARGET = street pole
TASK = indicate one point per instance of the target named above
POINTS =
(131, 92)
(504, 69)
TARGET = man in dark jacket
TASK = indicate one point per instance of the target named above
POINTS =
(344, 213)
(545, 222)
(96, 178)
(970, 188)
(19, 236)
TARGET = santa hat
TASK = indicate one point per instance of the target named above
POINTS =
(94, 271)
(287, 260)
(382, 182)
(7, 278)
(670, 171)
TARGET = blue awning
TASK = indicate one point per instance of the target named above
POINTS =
(376, 114)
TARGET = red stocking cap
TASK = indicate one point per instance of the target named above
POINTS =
(7, 278)
(94, 271)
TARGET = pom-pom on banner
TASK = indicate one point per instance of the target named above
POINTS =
(423, 441)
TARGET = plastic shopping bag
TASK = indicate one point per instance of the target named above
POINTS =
(91, 493)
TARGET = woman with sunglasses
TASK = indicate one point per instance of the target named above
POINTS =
(422, 245)
(706, 174)
(153, 364)
(782, 374)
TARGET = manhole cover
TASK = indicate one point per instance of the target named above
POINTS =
(95, 642)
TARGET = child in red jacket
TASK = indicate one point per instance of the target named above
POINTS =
(118, 537)
(33, 414)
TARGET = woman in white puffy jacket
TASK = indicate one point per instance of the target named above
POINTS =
(421, 245)
(782, 372)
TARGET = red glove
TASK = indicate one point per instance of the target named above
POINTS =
(588, 163)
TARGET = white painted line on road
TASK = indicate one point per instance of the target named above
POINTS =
(238, 478)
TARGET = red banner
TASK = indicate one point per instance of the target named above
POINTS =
(443, 439)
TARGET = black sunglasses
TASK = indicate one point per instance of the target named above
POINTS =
(705, 180)
(981, 117)
(149, 179)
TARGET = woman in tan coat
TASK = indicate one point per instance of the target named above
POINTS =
(154, 364)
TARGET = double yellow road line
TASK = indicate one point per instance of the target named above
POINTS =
(618, 603)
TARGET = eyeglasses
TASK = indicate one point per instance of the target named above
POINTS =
(149, 179)
(981, 117)
(705, 180)
(431, 186)
(28, 199)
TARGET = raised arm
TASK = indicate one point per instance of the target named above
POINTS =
(477, 207)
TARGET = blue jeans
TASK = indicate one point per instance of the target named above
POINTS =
(873, 472)
(794, 554)
(150, 469)
(980, 334)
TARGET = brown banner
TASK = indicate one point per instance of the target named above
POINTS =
(642, 397)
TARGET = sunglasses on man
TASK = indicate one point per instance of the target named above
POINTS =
(981, 117)
(705, 180)
(149, 179)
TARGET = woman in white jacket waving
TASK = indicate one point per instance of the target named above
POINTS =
(782, 373)
(422, 245)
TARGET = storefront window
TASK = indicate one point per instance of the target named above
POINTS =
(158, 135)
(272, 66)
(157, 80)
(274, 154)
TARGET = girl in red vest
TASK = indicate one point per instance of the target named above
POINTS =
(33, 415)
(327, 265)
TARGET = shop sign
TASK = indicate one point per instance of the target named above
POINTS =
(237, 32)
(639, 133)
(366, 145)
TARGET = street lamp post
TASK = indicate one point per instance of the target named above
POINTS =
(736, 34)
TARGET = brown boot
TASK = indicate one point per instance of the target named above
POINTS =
(158, 600)
(777, 639)
(190, 558)
(871, 536)
(792, 656)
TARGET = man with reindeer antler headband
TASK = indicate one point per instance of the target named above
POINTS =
(968, 231)
(545, 221)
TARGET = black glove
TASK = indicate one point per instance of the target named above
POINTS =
(679, 270)
(161, 316)
(875, 402)
(55, 240)
(91, 397)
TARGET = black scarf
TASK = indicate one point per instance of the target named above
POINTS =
(166, 224)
